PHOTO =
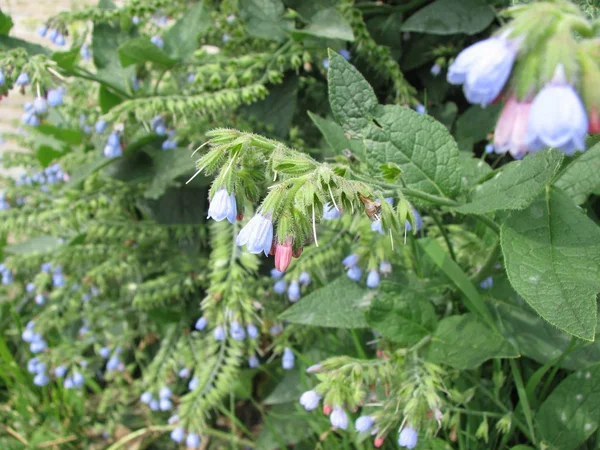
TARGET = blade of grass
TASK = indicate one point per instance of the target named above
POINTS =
(523, 401)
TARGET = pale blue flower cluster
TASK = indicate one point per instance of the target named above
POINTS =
(223, 206)
(257, 235)
(54, 36)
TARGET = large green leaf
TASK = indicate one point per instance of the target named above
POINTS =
(472, 169)
(552, 255)
(106, 39)
(141, 50)
(582, 176)
(404, 317)
(107, 99)
(465, 342)
(182, 38)
(6, 24)
(9, 43)
(352, 99)
(168, 165)
(451, 17)
(284, 425)
(339, 304)
(420, 145)
(477, 123)
(516, 185)
(570, 415)
(42, 244)
(264, 19)
(67, 135)
(336, 138)
(328, 23)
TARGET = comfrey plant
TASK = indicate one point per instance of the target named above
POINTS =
(201, 252)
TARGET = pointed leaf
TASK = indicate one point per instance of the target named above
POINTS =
(141, 50)
(328, 23)
(182, 38)
(582, 176)
(264, 19)
(451, 17)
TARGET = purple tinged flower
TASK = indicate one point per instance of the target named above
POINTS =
(28, 335)
(55, 97)
(314, 368)
(287, 361)
(237, 331)
(257, 235)
(77, 379)
(191, 78)
(146, 397)
(68, 383)
(511, 128)
(100, 126)
(40, 105)
(489, 149)
(350, 260)
(223, 206)
(113, 363)
(173, 419)
(354, 273)
(165, 404)
(193, 384)
(557, 117)
(304, 279)
(385, 267)
(164, 392)
(488, 283)
(408, 438)
(230, 18)
(2, 78)
(219, 333)
(192, 440)
(41, 379)
(154, 405)
(377, 227)
(436, 69)
(325, 63)
(136, 20)
(161, 130)
(330, 212)
(276, 329)
(58, 280)
(226, 37)
(310, 400)
(252, 331)
(363, 424)
(32, 365)
(279, 287)
(60, 40)
(42, 30)
(253, 362)
(338, 418)
(178, 434)
(484, 69)
(85, 53)
(52, 34)
(38, 346)
(113, 139)
(201, 323)
(184, 373)
(294, 291)
(22, 79)
(420, 109)
(373, 279)
(60, 371)
(39, 299)
(345, 54)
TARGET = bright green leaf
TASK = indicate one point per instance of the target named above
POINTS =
(141, 50)
(66, 60)
(336, 138)
(352, 99)
(403, 317)
(339, 304)
(107, 99)
(264, 19)
(582, 176)
(570, 415)
(328, 23)
(6, 23)
(182, 38)
(516, 185)
(552, 255)
(46, 154)
(465, 342)
(451, 17)
(42, 244)
(420, 145)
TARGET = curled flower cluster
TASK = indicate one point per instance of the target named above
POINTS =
(293, 290)
(354, 272)
(54, 35)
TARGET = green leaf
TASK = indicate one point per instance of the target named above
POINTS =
(106, 39)
(278, 108)
(67, 135)
(6, 24)
(352, 99)
(582, 176)
(168, 165)
(339, 304)
(66, 60)
(420, 145)
(264, 19)
(516, 185)
(451, 17)
(9, 43)
(472, 169)
(42, 244)
(283, 426)
(570, 415)
(403, 317)
(108, 99)
(328, 23)
(182, 38)
(289, 389)
(552, 256)
(477, 123)
(336, 138)
(46, 154)
(465, 342)
(141, 50)
(85, 170)
(179, 206)
(390, 172)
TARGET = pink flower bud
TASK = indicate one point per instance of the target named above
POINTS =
(512, 127)
(378, 442)
(327, 409)
(594, 126)
(283, 255)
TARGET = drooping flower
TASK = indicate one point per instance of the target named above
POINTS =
(304, 279)
(60, 371)
(40, 105)
(100, 126)
(192, 440)
(146, 397)
(22, 79)
(339, 418)
(201, 323)
(157, 40)
(193, 384)
(184, 373)
(310, 400)
(237, 331)
(252, 331)
(484, 68)
(377, 227)
(104, 352)
(350, 260)
(279, 287)
(373, 279)
(113, 363)
(41, 379)
(287, 361)
(253, 362)
(283, 254)
(557, 118)
(55, 97)
(223, 206)
(219, 333)
(178, 434)
(408, 438)
(345, 54)
(330, 212)
(294, 291)
(385, 267)
(165, 404)
(363, 424)
(164, 392)
(257, 235)
(276, 274)
(173, 419)
(420, 109)
(511, 128)
(354, 273)
(435, 69)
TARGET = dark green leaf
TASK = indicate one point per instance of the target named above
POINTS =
(404, 317)
(570, 415)
(6, 24)
(66, 60)
(328, 23)
(582, 176)
(107, 99)
(465, 342)
(168, 165)
(451, 17)
(46, 155)
(516, 185)
(552, 256)
(284, 425)
(336, 138)
(352, 99)
(264, 19)
(477, 123)
(42, 244)
(446, 113)
(85, 170)
(182, 38)
(179, 206)
(339, 304)
(67, 135)
(141, 50)
(472, 169)
(9, 43)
